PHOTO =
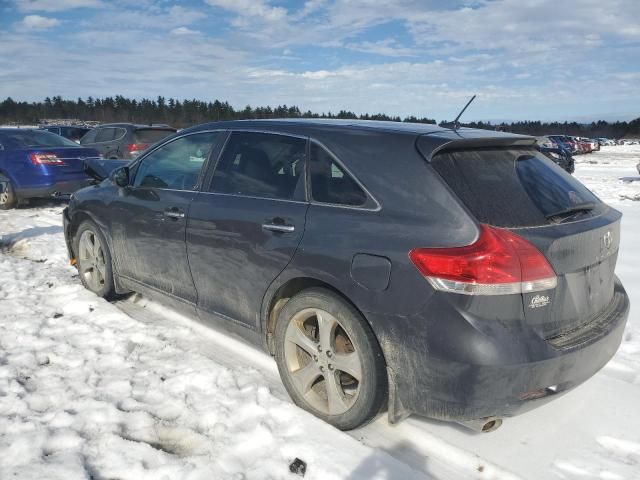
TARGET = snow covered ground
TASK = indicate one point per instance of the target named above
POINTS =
(131, 390)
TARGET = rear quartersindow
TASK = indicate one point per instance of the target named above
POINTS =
(543, 239)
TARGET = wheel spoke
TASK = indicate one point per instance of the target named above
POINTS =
(326, 326)
(100, 272)
(348, 363)
(305, 376)
(335, 396)
(85, 248)
(96, 247)
(296, 335)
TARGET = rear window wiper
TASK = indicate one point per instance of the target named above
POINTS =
(573, 209)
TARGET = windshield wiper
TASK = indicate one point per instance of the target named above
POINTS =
(573, 209)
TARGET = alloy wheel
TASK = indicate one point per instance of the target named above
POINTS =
(322, 361)
(91, 260)
(5, 191)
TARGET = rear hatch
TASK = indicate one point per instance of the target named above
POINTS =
(149, 136)
(520, 189)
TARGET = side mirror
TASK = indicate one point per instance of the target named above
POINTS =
(120, 177)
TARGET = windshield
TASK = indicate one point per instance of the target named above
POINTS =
(34, 139)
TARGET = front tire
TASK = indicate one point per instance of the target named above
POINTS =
(329, 360)
(93, 259)
(8, 198)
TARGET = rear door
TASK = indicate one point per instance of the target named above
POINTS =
(244, 230)
(149, 217)
(520, 189)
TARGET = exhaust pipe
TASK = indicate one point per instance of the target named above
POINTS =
(483, 425)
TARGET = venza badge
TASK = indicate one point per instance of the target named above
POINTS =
(539, 301)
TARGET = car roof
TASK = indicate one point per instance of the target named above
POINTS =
(17, 129)
(136, 125)
(310, 124)
(63, 125)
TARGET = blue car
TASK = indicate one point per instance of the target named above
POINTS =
(37, 163)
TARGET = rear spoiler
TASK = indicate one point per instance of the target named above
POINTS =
(99, 169)
(429, 145)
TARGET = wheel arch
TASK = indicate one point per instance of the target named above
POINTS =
(6, 173)
(74, 224)
(276, 298)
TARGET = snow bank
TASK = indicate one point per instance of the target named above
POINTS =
(86, 391)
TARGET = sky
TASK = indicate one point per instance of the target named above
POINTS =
(525, 59)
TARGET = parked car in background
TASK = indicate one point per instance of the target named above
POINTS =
(589, 144)
(37, 163)
(71, 132)
(125, 140)
(451, 306)
(546, 142)
(566, 142)
(556, 153)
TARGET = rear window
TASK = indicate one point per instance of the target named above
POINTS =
(34, 139)
(151, 135)
(511, 187)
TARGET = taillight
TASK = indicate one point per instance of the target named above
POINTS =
(137, 148)
(45, 159)
(498, 263)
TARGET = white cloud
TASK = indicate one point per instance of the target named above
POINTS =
(153, 16)
(387, 48)
(251, 8)
(56, 5)
(184, 31)
(37, 22)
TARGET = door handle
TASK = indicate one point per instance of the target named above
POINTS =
(174, 214)
(275, 227)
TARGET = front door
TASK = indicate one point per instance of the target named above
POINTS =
(149, 218)
(244, 230)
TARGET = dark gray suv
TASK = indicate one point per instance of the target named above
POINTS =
(124, 140)
(455, 274)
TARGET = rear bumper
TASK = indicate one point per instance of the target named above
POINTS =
(65, 187)
(465, 374)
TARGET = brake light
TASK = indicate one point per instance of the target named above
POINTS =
(45, 159)
(137, 147)
(498, 263)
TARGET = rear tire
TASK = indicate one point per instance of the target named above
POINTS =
(329, 359)
(93, 259)
(8, 198)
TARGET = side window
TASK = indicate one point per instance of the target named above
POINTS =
(89, 137)
(119, 133)
(177, 164)
(261, 165)
(105, 134)
(330, 183)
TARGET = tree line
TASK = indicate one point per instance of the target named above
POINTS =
(189, 112)
(161, 110)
